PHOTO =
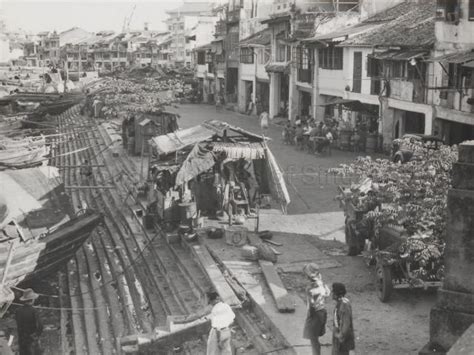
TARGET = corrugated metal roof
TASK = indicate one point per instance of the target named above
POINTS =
(178, 140)
(456, 58)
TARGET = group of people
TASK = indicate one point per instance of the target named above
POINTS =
(315, 325)
(221, 317)
(315, 137)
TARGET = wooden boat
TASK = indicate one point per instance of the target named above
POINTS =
(38, 231)
(23, 157)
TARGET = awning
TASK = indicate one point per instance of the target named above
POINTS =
(175, 141)
(455, 58)
(338, 101)
(278, 68)
(408, 54)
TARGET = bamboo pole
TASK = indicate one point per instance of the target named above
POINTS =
(89, 187)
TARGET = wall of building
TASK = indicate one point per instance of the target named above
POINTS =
(451, 36)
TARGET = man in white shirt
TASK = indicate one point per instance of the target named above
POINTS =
(222, 316)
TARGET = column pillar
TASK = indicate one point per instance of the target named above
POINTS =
(453, 312)
(274, 102)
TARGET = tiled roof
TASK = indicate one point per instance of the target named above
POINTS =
(261, 38)
(406, 25)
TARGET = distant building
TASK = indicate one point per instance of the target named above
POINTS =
(452, 78)
(190, 25)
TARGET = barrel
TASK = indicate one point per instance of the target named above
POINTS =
(345, 139)
(371, 143)
(187, 210)
(236, 235)
(131, 146)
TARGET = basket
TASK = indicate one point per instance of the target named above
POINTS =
(250, 252)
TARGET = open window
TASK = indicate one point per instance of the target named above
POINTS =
(449, 10)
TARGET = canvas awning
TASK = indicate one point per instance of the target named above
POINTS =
(455, 58)
(408, 54)
(175, 141)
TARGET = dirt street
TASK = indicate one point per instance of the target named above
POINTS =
(398, 327)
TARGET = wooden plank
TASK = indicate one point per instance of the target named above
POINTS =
(215, 275)
(164, 340)
(282, 299)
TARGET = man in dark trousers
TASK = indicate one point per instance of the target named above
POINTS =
(28, 323)
(343, 330)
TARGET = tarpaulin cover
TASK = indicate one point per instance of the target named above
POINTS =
(199, 160)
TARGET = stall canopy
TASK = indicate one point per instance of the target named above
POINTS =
(178, 140)
(212, 141)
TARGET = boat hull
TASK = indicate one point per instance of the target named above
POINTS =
(38, 257)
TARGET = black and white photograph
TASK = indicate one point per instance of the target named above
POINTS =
(237, 177)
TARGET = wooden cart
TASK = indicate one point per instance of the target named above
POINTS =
(393, 270)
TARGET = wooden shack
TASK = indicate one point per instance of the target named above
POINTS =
(151, 124)
(141, 127)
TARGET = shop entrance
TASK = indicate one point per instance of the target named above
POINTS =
(232, 87)
(305, 104)
(414, 122)
(284, 95)
(263, 95)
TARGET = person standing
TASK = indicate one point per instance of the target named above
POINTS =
(343, 330)
(28, 324)
(222, 316)
(316, 293)
(264, 121)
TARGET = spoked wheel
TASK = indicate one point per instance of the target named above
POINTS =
(383, 282)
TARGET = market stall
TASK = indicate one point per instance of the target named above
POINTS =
(212, 169)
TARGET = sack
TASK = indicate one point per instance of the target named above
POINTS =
(266, 253)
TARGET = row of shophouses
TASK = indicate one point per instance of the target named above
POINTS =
(393, 67)
(187, 26)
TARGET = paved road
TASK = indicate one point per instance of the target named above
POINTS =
(311, 190)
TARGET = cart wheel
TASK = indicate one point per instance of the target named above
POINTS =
(384, 282)
(353, 249)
